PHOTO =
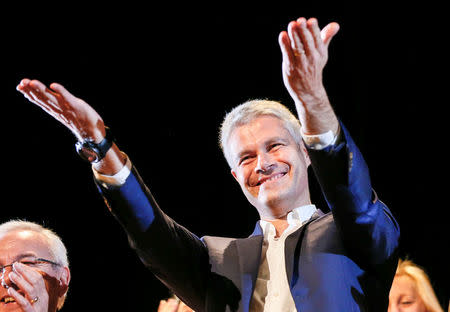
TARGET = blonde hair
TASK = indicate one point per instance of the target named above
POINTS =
(55, 244)
(423, 284)
(250, 110)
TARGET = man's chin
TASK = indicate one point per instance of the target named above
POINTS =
(269, 200)
(273, 202)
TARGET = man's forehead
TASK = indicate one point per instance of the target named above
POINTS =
(21, 234)
(23, 242)
(259, 130)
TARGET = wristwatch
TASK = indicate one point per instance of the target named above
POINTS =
(94, 152)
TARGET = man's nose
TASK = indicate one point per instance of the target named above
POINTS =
(264, 163)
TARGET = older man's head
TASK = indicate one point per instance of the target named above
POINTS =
(34, 268)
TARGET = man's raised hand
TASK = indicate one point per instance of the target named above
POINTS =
(74, 113)
(304, 49)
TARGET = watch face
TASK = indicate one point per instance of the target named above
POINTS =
(86, 152)
(94, 152)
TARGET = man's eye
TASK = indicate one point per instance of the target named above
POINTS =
(274, 146)
(245, 159)
(29, 263)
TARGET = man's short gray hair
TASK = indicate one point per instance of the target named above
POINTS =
(55, 243)
(248, 111)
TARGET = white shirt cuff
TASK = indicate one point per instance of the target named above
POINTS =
(320, 141)
(115, 180)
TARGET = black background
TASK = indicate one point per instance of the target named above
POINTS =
(163, 75)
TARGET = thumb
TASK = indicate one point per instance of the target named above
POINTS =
(328, 32)
(61, 90)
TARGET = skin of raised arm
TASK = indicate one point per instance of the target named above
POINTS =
(304, 50)
(74, 113)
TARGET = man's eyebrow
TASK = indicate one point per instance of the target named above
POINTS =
(276, 139)
(25, 255)
(242, 153)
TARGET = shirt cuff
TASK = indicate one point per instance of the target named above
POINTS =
(115, 180)
(320, 141)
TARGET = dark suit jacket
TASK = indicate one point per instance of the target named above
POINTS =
(341, 261)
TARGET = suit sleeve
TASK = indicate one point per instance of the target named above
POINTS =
(175, 255)
(367, 226)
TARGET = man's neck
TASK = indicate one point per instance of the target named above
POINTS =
(280, 226)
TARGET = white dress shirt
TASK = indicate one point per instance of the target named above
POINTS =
(272, 292)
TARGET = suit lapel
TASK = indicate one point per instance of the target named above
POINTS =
(249, 252)
(292, 248)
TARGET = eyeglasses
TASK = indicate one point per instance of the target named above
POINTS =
(31, 263)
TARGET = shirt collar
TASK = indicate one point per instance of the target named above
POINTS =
(295, 218)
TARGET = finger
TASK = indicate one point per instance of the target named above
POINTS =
(40, 95)
(295, 39)
(306, 37)
(26, 86)
(63, 91)
(328, 32)
(21, 300)
(291, 57)
(29, 278)
(24, 82)
(162, 306)
(22, 284)
(37, 93)
(44, 92)
(314, 29)
(285, 45)
(44, 101)
(170, 305)
(52, 110)
(50, 101)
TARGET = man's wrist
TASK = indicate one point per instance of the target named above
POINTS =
(116, 179)
(112, 163)
(322, 140)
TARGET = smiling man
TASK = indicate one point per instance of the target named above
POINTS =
(298, 258)
(34, 268)
(269, 165)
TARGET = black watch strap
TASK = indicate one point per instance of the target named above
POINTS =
(94, 152)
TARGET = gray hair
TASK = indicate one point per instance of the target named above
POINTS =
(250, 110)
(55, 243)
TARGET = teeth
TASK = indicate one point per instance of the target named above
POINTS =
(277, 176)
(9, 299)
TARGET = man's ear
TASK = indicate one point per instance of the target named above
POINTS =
(233, 173)
(64, 281)
(304, 151)
(306, 155)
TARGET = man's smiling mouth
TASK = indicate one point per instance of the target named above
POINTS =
(271, 178)
(7, 299)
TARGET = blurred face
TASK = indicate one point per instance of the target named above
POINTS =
(269, 166)
(44, 280)
(404, 296)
